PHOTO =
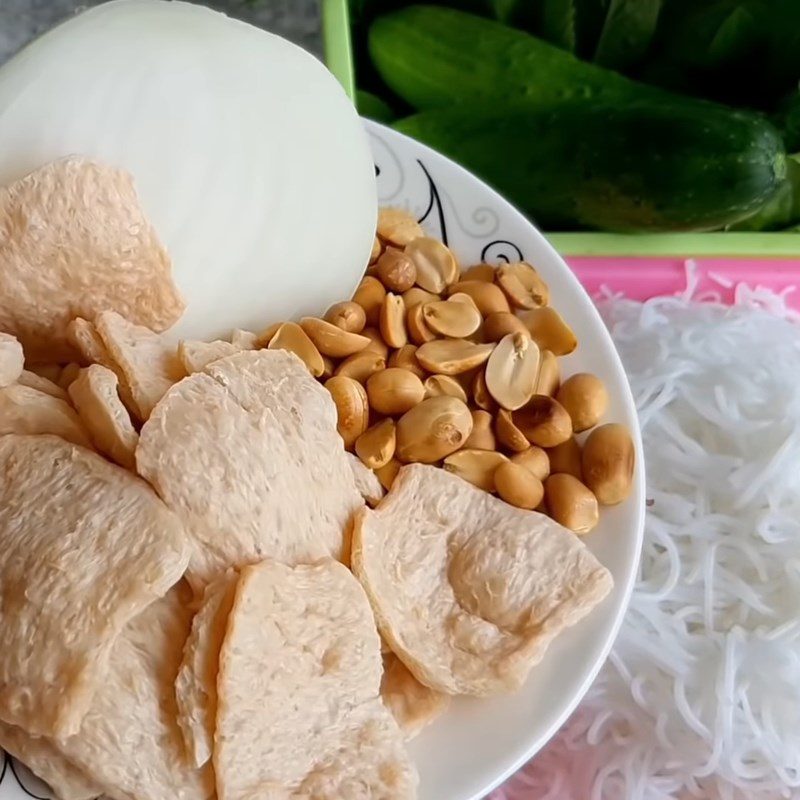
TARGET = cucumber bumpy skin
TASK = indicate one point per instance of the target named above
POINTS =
(645, 166)
(432, 56)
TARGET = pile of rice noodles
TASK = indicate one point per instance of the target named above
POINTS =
(701, 696)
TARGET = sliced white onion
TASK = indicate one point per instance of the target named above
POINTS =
(247, 155)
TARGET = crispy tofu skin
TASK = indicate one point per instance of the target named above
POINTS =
(247, 455)
(86, 547)
(467, 590)
(74, 242)
(300, 714)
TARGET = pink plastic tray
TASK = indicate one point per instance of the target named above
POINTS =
(718, 278)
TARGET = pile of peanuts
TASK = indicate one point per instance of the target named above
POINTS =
(428, 364)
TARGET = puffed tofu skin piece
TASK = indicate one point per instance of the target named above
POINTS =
(94, 395)
(300, 714)
(467, 590)
(129, 741)
(367, 483)
(12, 359)
(196, 356)
(248, 456)
(24, 410)
(74, 242)
(196, 684)
(45, 761)
(41, 384)
(83, 336)
(413, 705)
(86, 546)
(147, 362)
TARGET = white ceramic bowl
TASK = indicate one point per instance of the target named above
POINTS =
(478, 743)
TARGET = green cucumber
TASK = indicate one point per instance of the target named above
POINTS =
(371, 106)
(643, 166)
(783, 209)
(434, 56)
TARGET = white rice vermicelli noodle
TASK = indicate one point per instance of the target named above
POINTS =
(701, 696)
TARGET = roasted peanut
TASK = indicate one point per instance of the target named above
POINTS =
(266, 336)
(508, 434)
(392, 321)
(436, 265)
(544, 421)
(375, 447)
(480, 272)
(397, 226)
(461, 297)
(585, 398)
(487, 297)
(549, 374)
(418, 329)
(361, 365)
(476, 466)
(376, 343)
(512, 369)
(406, 358)
(566, 457)
(394, 391)
(332, 341)
(328, 368)
(523, 285)
(482, 436)
(608, 461)
(388, 472)
(535, 460)
(433, 429)
(376, 250)
(456, 320)
(349, 316)
(452, 356)
(290, 336)
(518, 486)
(570, 503)
(352, 407)
(369, 296)
(480, 392)
(500, 324)
(548, 329)
(438, 385)
(395, 270)
(414, 296)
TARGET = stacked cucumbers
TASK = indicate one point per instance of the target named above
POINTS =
(573, 142)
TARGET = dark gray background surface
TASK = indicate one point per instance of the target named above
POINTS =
(298, 20)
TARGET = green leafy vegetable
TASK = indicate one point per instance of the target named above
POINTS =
(734, 38)
(711, 35)
(590, 16)
(782, 48)
(788, 120)
(558, 23)
(628, 30)
(507, 10)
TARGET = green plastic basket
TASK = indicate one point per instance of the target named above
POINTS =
(338, 39)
